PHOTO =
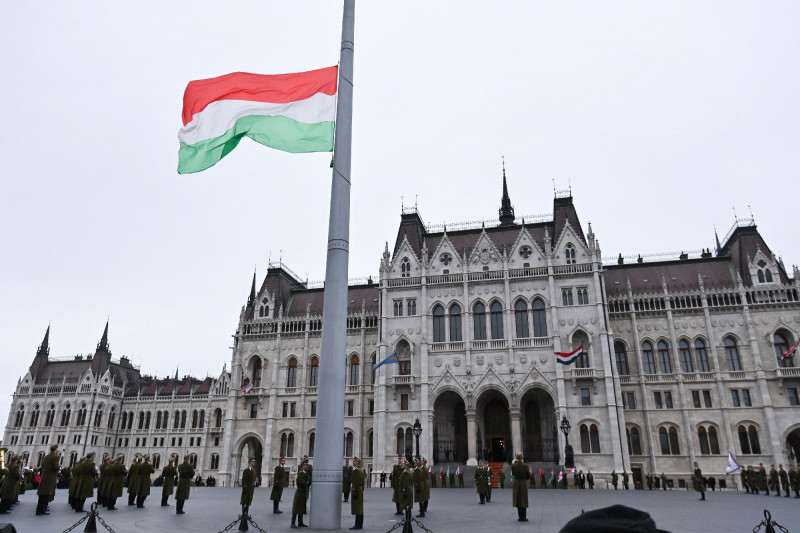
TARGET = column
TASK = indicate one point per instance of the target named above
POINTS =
(516, 430)
(472, 420)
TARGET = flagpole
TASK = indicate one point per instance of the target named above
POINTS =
(326, 502)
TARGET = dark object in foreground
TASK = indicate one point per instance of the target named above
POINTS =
(614, 519)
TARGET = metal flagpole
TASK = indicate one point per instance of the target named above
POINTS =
(326, 502)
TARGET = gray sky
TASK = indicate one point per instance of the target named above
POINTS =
(663, 117)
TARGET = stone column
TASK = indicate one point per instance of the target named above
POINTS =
(472, 420)
(516, 430)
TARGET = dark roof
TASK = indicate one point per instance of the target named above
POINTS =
(744, 242)
(682, 275)
(312, 299)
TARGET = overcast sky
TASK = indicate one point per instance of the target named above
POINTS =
(663, 117)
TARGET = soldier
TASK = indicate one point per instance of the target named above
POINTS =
(133, 481)
(249, 477)
(405, 485)
(460, 474)
(347, 473)
(302, 483)
(663, 481)
(357, 494)
(649, 480)
(501, 476)
(419, 476)
(51, 466)
(86, 485)
(143, 487)
(117, 473)
(699, 486)
(489, 476)
(519, 490)
(102, 484)
(451, 478)
(74, 479)
(426, 489)
(480, 482)
(773, 481)
(590, 479)
(168, 483)
(394, 478)
(8, 490)
(185, 475)
(794, 481)
(625, 479)
(784, 477)
(278, 481)
(614, 479)
(762, 479)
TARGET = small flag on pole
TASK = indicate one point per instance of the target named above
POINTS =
(733, 465)
(247, 385)
(790, 352)
(389, 360)
(567, 358)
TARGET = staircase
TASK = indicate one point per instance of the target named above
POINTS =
(496, 468)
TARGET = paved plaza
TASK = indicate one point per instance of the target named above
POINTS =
(451, 510)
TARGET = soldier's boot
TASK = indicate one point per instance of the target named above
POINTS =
(426, 505)
(140, 502)
(275, 509)
(179, 506)
(421, 510)
(132, 498)
(41, 505)
(164, 500)
(294, 520)
(702, 496)
(359, 522)
(796, 493)
(79, 503)
(787, 491)
(111, 503)
(397, 508)
(300, 521)
(483, 497)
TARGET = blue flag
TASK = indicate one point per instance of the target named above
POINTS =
(391, 359)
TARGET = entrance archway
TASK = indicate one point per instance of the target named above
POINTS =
(539, 429)
(793, 446)
(449, 428)
(495, 428)
(251, 448)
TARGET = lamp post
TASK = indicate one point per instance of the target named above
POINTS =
(565, 427)
(417, 433)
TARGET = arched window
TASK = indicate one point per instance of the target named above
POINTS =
(177, 422)
(702, 355)
(594, 438)
(311, 441)
(768, 275)
(621, 356)
(147, 420)
(669, 441)
(183, 419)
(479, 321)
(287, 445)
(569, 253)
(455, 323)
(354, 369)
(348, 444)
(404, 441)
(130, 419)
(214, 461)
(438, 324)
(158, 420)
(521, 319)
(124, 420)
(202, 419)
(709, 444)
(112, 418)
(405, 268)
(732, 355)
(369, 444)
(580, 340)
(257, 367)
(539, 318)
(496, 316)
(66, 415)
(165, 422)
(648, 358)
(141, 419)
(218, 418)
(291, 373)
(193, 460)
(403, 351)
(34, 420)
(634, 441)
(81, 415)
(663, 358)
(98, 416)
(686, 356)
(372, 361)
(748, 440)
(761, 276)
(781, 347)
(51, 415)
(313, 372)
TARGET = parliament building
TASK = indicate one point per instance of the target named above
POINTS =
(681, 360)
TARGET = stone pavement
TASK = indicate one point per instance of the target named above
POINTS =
(209, 510)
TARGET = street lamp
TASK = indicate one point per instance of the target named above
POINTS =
(568, 458)
(417, 433)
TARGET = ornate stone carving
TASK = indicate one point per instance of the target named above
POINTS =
(479, 360)
(543, 358)
(498, 359)
(437, 361)
(523, 358)
(456, 362)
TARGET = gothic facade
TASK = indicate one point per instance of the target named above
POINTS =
(678, 360)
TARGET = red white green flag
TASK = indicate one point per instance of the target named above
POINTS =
(290, 112)
(790, 352)
(567, 358)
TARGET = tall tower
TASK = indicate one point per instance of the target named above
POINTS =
(506, 209)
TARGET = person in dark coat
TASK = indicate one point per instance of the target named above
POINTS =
(614, 479)
(8, 489)
(102, 483)
(85, 488)
(168, 483)
(784, 477)
(133, 481)
(663, 481)
(347, 473)
(519, 491)
(699, 486)
(480, 482)
(625, 480)
(51, 466)
(249, 477)
(278, 481)
(590, 479)
(794, 481)
(185, 475)
(419, 476)
(405, 484)
(144, 472)
(357, 494)
(301, 482)
(394, 480)
(117, 472)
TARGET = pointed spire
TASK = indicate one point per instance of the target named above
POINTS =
(252, 297)
(506, 209)
(44, 348)
(716, 237)
(102, 346)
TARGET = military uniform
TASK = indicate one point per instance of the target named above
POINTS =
(519, 495)
(133, 482)
(302, 483)
(614, 479)
(773, 481)
(625, 480)
(794, 481)
(117, 472)
(47, 486)
(278, 480)
(489, 476)
(102, 483)
(762, 479)
(419, 476)
(168, 483)
(426, 487)
(480, 483)
(185, 475)
(347, 474)
(502, 477)
(784, 477)
(663, 481)
(698, 482)
(357, 496)
(649, 481)
(143, 486)
(405, 486)
(249, 477)
(394, 481)
(8, 490)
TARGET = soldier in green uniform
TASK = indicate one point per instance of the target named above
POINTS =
(614, 479)
(480, 481)
(102, 484)
(278, 481)
(649, 480)
(51, 466)
(85, 488)
(502, 477)
(302, 482)
(519, 496)
(8, 490)
(394, 480)
(699, 486)
(347, 473)
(489, 476)
(73, 482)
(625, 480)
(133, 480)
(117, 471)
(762, 478)
(405, 484)
(249, 477)
(773, 481)
(357, 494)
(784, 477)
(168, 484)
(419, 486)
(185, 475)
(794, 481)
(426, 489)
(451, 478)
(663, 481)
(143, 486)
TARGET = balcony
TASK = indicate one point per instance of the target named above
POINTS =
(458, 346)
(487, 275)
(627, 380)
(402, 380)
(660, 378)
(404, 282)
(583, 268)
(353, 388)
(790, 372)
(533, 272)
(533, 342)
(445, 279)
(494, 344)
(578, 373)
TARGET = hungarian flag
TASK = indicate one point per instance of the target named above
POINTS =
(247, 385)
(565, 358)
(290, 112)
(790, 352)
(733, 465)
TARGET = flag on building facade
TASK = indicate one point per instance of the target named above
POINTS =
(290, 112)
(567, 358)
(733, 464)
(389, 360)
(790, 352)
(247, 385)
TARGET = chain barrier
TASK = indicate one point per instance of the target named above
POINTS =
(243, 520)
(406, 522)
(91, 526)
(769, 524)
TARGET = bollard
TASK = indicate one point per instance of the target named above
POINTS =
(91, 523)
(244, 518)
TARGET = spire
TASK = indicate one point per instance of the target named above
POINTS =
(44, 349)
(102, 346)
(506, 209)
(716, 237)
(252, 297)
